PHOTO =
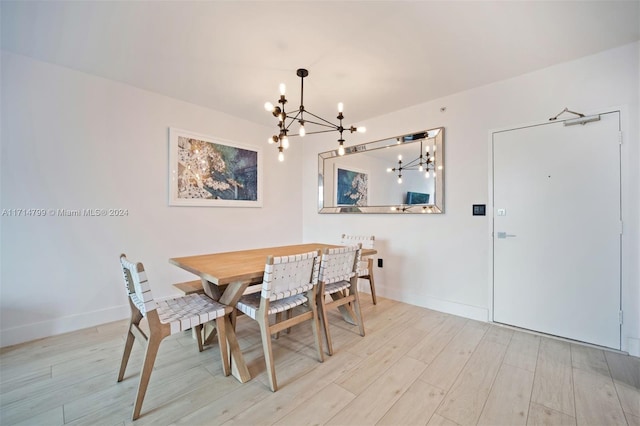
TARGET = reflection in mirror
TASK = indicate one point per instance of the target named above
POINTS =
(403, 174)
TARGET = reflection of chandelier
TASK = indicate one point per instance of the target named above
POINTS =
(298, 115)
(404, 208)
(425, 162)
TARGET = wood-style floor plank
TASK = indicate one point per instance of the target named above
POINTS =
(324, 405)
(55, 416)
(540, 415)
(625, 371)
(589, 359)
(438, 420)
(288, 397)
(597, 402)
(523, 351)
(465, 400)
(508, 401)
(632, 420)
(444, 369)
(379, 362)
(372, 404)
(432, 344)
(553, 382)
(415, 406)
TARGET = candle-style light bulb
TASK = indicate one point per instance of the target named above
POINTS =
(285, 142)
(270, 140)
(302, 131)
(421, 168)
(341, 149)
(280, 156)
(389, 170)
(399, 180)
(400, 157)
(426, 175)
(427, 150)
(283, 89)
(340, 106)
(268, 106)
(362, 129)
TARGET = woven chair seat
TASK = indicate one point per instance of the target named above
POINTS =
(336, 287)
(249, 304)
(183, 313)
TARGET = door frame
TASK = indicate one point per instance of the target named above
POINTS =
(622, 111)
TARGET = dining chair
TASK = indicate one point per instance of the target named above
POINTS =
(289, 282)
(365, 267)
(338, 280)
(166, 317)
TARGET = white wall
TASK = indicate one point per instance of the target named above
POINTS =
(443, 261)
(72, 141)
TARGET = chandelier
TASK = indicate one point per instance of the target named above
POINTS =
(304, 118)
(425, 162)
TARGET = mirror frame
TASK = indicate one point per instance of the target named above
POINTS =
(436, 136)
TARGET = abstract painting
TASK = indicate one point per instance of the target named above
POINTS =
(207, 171)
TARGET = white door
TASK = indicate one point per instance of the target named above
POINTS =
(557, 229)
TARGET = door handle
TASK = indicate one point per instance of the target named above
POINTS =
(505, 235)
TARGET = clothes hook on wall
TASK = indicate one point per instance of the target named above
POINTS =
(563, 111)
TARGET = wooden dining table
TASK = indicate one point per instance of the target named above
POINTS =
(225, 276)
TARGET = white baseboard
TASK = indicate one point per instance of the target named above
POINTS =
(454, 308)
(28, 332)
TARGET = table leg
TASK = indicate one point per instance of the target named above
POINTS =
(210, 289)
(233, 293)
(230, 297)
(239, 369)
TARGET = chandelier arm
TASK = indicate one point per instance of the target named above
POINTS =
(318, 131)
(320, 118)
(332, 127)
(294, 117)
(293, 120)
(411, 163)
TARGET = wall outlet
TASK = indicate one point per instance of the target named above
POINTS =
(379, 263)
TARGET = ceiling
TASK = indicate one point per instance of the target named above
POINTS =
(376, 57)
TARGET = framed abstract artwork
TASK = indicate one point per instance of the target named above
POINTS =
(209, 171)
(351, 187)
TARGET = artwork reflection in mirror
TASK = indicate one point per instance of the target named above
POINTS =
(403, 174)
(352, 187)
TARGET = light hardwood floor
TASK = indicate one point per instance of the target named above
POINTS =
(414, 367)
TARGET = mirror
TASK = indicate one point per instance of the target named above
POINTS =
(398, 175)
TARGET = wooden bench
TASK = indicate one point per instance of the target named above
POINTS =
(190, 287)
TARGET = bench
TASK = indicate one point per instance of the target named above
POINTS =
(190, 287)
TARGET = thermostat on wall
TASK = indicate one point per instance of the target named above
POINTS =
(479, 209)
